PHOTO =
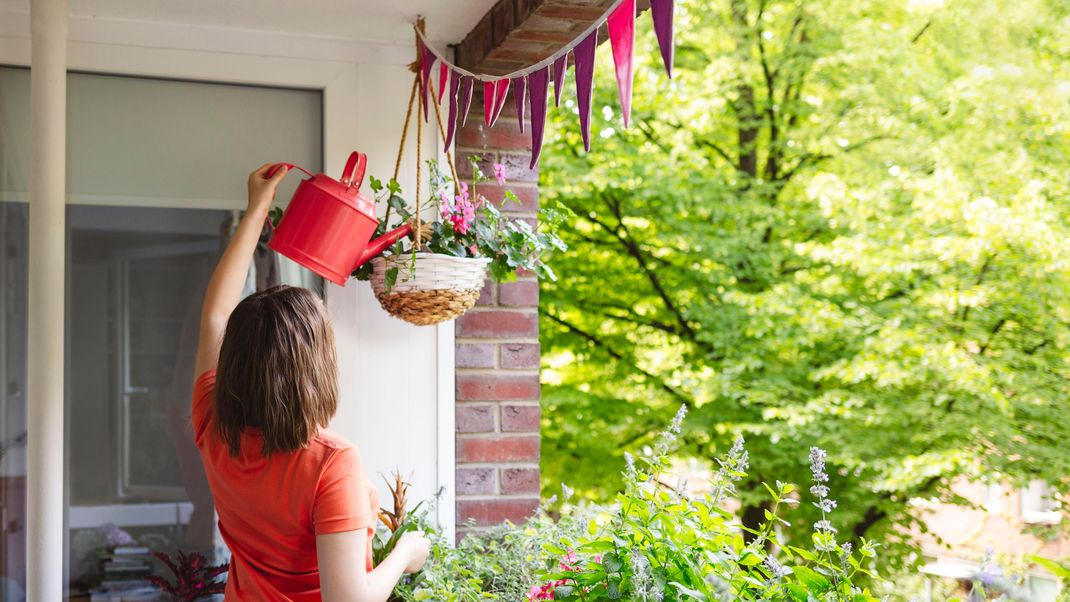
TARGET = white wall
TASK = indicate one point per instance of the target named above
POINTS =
(396, 379)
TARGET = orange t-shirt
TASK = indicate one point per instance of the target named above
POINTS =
(271, 509)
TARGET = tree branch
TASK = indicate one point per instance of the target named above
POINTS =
(620, 357)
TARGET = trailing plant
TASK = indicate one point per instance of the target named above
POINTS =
(470, 225)
(194, 578)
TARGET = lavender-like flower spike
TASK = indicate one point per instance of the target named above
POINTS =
(678, 420)
(826, 505)
(824, 525)
(630, 461)
(776, 570)
(817, 464)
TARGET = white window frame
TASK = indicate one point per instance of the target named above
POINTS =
(1038, 494)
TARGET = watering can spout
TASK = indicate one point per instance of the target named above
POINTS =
(380, 244)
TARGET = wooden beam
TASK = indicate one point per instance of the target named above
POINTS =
(517, 33)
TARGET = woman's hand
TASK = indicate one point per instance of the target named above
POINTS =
(415, 547)
(262, 188)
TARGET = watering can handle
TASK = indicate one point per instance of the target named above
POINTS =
(276, 167)
(353, 174)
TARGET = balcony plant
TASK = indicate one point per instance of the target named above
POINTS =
(438, 272)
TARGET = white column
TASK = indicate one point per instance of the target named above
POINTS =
(45, 441)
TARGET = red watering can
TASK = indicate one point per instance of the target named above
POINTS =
(328, 225)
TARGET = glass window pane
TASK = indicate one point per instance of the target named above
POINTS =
(13, 246)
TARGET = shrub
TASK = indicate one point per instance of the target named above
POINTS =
(656, 543)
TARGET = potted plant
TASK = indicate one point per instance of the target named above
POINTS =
(437, 273)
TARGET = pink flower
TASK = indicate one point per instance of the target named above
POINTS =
(499, 173)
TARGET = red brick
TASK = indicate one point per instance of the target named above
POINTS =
(520, 355)
(520, 480)
(527, 197)
(492, 512)
(486, 294)
(505, 134)
(498, 324)
(475, 481)
(524, 293)
(473, 355)
(497, 387)
(486, 158)
(521, 418)
(498, 448)
(473, 418)
(516, 167)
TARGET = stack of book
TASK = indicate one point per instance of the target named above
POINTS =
(125, 569)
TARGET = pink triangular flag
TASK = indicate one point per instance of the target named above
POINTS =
(583, 55)
(661, 12)
(538, 85)
(621, 24)
(519, 97)
(468, 82)
(443, 73)
(488, 102)
(501, 93)
(427, 58)
(455, 81)
(560, 66)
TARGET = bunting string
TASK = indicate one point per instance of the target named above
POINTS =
(530, 85)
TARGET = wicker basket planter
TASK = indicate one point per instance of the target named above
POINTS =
(441, 287)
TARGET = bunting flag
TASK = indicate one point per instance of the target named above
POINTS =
(560, 65)
(468, 82)
(443, 73)
(520, 98)
(455, 82)
(494, 95)
(621, 25)
(538, 83)
(661, 12)
(427, 58)
(501, 92)
(531, 84)
(583, 55)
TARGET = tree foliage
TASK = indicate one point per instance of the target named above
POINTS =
(841, 224)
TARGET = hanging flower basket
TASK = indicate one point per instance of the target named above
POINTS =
(437, 273)
(428, 288)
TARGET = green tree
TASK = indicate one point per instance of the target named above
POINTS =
(842, 224)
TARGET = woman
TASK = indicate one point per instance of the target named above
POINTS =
(294, 505)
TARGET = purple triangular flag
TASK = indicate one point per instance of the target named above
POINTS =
(519, 97)
(538, 85)
(560, 66)
(583, 55)
(501, 93)
(661, 12)
(621, 25)
(467, 83)
(455, 81)
(443, 73)
(488, 102)
(427, 58)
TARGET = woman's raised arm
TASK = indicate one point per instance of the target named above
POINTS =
(225, 286)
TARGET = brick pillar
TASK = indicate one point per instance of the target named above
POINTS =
(498, 351)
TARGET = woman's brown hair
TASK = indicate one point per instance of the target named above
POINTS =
(276, 370)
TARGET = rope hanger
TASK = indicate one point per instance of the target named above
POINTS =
(418, 100)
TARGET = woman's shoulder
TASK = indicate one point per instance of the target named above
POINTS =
(332, 441)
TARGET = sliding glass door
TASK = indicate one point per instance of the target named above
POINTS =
(156, 178)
